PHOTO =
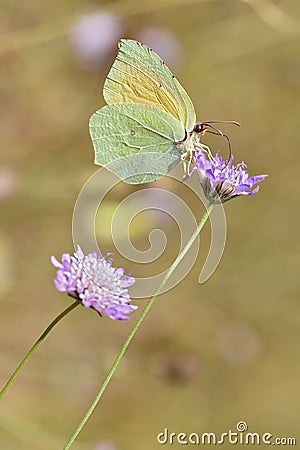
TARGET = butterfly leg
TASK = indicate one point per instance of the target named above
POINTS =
(191, 146)
(187, 159)
(205, 149)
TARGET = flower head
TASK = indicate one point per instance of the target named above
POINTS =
(95, 283)
(93, 36)
(221, 180)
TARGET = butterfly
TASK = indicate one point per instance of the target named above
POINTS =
(149, 123)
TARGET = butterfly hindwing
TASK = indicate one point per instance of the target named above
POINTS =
(136, 142)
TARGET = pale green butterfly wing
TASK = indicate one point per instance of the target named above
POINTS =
(136, 142)
(138, 75)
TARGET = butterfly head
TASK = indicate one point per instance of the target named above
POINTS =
(200, 127)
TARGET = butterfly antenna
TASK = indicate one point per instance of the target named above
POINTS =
(220, 133)
(231, 122)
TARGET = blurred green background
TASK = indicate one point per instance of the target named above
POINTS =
(207, 356)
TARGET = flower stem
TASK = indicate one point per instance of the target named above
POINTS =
(137, 325)
(36, 344)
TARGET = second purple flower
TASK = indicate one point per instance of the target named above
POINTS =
(95, 283)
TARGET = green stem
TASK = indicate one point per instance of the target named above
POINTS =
(36, 344)
(137, 325)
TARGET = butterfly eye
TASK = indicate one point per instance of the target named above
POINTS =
(132, 133)
(199, 127)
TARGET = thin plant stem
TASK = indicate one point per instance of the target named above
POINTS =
(36, 344)
(137, 325)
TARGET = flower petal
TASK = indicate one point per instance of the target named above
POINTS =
(92, 279)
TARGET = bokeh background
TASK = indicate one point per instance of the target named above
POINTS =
(206, 356)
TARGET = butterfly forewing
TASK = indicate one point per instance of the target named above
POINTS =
(139, 75)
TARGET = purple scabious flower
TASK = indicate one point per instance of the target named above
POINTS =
(221, 180)
(95, 283)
